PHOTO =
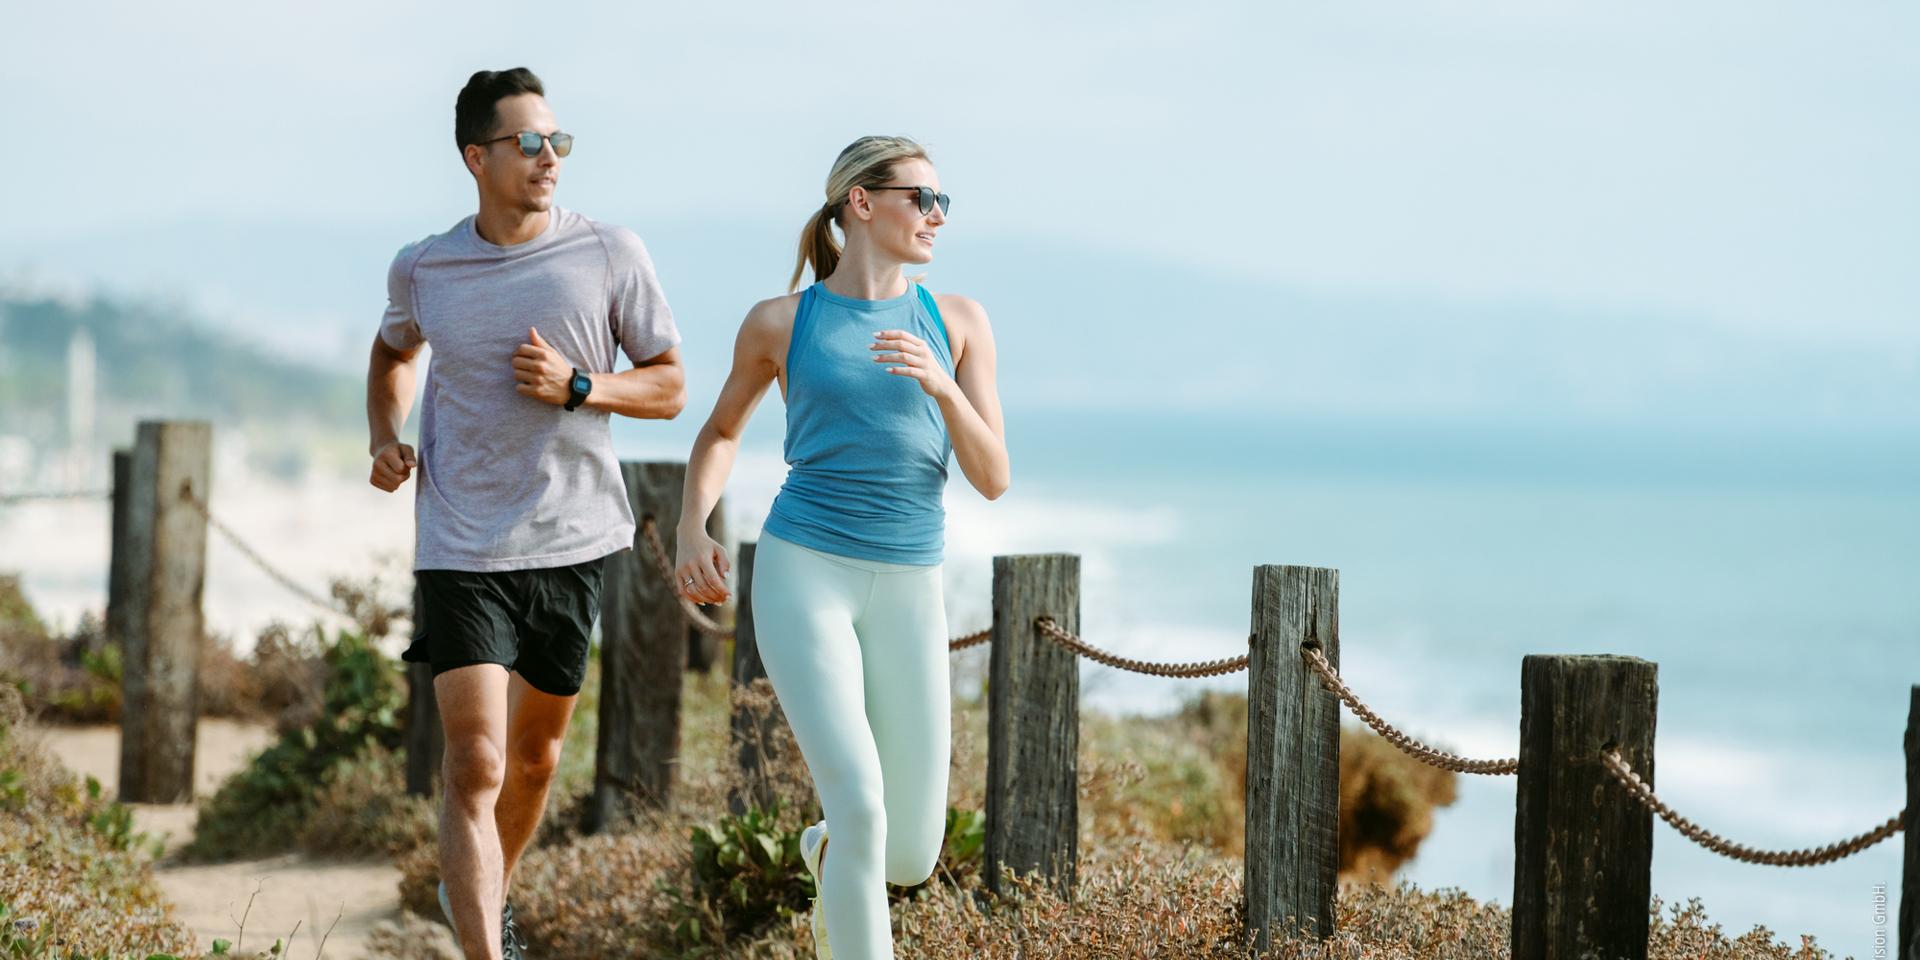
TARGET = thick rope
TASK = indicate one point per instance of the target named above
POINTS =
(970, 639)
(51, 495)
(1617, 765)
(1408, 745)
(1203, 668)
(275, 573)
(695, 616)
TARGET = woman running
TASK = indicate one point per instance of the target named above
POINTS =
(882, 380)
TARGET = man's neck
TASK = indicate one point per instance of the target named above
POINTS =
(506, 227)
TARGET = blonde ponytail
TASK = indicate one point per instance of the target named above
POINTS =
(866, 162)
(818, 248)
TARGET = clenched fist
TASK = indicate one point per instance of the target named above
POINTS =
(392, 466)
(540, 372)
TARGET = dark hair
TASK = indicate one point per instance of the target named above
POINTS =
(475, 113)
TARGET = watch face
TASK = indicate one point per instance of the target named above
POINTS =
(582, 383)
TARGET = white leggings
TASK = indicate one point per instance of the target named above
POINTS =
(857, 653)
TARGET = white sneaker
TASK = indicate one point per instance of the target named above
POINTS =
(812, 840)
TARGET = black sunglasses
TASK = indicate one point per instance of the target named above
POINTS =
(531, 142)
(927, 198)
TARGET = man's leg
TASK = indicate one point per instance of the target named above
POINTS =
(473, 711)
(536, 729)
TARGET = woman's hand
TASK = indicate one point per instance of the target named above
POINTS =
(703, 560)
(915, 360)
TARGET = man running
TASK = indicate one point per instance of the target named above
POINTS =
(520, 498)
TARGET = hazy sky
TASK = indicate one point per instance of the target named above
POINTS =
(1483, 209)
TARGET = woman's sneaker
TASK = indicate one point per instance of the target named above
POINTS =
(446, 909)
(813, 843)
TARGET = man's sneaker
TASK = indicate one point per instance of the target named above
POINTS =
(446, 908)
(813, 841)
(512, 945)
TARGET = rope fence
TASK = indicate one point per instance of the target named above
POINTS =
(1327, 676)
(1330, 679)
(1617, 765)
(274, 573)
(40, 496)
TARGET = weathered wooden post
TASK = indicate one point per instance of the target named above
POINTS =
(643, 652)
(1583, 846)
(703, 651)
(1033, 721)
(163, 574)
(426, 740)
(1908, 946)
(750, 733)
(753, 733)
(1293, 756)
(120, 555)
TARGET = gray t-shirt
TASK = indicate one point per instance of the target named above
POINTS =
(508, 482)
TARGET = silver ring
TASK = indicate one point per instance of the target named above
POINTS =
(688, 581)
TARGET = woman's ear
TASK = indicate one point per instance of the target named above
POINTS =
(860, 203)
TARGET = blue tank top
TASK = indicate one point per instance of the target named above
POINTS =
(866, 450)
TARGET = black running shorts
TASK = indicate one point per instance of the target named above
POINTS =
(536, 623)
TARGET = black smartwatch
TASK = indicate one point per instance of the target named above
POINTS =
(581, 386)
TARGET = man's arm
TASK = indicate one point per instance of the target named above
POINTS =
(390, 379)
(656, 389)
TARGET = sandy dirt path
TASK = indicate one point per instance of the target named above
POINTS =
(208, 898)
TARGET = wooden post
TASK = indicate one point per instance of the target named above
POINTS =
(1907, 947)
(120, 557)
(1583, 847)
(703, 651)
(426, 739)
(751, 734)
(643, 652)
(748, 737)
(1293, 756)
(164, 572)
(1033, 721)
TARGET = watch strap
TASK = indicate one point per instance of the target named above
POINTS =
(575, 395)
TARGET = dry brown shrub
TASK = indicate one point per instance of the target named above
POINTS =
(289, 677)
(363, 807)
(1387, 801)
(68, 868)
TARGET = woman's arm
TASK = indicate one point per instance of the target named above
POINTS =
(762, 334)
(969, 400)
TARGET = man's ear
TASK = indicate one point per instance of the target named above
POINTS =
(475, 157)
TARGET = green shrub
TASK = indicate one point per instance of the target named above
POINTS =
(263, 808)
(746, 873)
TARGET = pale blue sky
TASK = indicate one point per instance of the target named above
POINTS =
(1612, 211)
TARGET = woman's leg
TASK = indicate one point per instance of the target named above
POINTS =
(803, 610)
(903, 635)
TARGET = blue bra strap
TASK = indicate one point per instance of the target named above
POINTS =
(933, 310)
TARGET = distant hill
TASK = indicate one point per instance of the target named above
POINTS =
(155, 362)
